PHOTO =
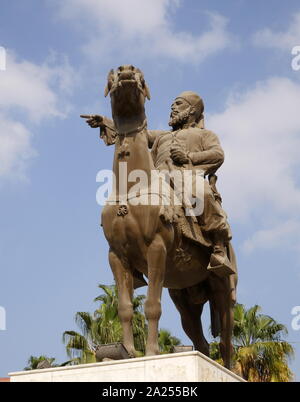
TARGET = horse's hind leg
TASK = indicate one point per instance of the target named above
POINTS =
(156, 258)
(124, 281)
(190, 319)
(223, 303)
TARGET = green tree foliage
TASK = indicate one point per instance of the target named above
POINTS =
(261, 353)
(34, 361)
(166, 341)
(103, 327)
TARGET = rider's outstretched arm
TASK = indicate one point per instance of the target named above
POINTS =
(108, 131)
(107, 127)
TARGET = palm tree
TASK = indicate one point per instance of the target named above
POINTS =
(110, 323)
(167, 342)
(81, 347)
(100, 328)
(261, 353)
(103, 327)
(34, 361)
(215, 354)
(109, 328)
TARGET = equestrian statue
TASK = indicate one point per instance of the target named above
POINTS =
(164, 231)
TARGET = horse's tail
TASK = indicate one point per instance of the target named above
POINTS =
(215, 320)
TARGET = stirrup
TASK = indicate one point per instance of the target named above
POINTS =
(220, 265)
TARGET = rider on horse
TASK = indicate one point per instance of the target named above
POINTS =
(190, 146)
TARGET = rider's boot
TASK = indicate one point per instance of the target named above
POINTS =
(219, 262)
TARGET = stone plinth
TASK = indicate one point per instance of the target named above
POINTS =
(177, 367)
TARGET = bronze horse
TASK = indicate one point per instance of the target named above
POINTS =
(142, 243)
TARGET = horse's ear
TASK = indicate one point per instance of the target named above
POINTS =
(110, 79)
(145, 87)
(147, 91)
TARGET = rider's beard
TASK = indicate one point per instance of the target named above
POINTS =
(179, 119)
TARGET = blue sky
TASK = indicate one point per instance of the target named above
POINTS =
(236, 54)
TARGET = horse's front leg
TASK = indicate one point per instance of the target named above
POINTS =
(156, 259)
(124, 281)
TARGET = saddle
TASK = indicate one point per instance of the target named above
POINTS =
(187, 227)
(191, 229)
(171, 210)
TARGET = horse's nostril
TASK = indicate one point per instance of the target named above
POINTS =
(126, 75)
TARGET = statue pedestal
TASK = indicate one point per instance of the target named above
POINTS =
(176, 367)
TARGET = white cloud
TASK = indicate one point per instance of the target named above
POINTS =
(260, 132)
(132, 16)
(29, 87)
(284, 40)
(286, 235)
(144, 28)
(30, 93)
(15, 148)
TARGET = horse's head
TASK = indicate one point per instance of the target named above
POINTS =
(128, 91)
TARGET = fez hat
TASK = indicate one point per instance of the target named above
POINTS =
(194, 100)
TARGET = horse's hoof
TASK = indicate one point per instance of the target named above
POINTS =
(152, 353)
(132, 354)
